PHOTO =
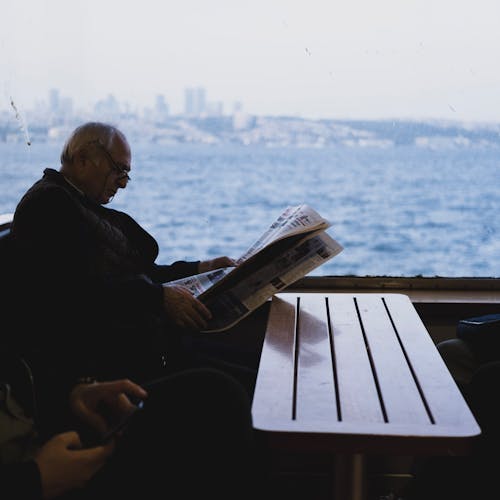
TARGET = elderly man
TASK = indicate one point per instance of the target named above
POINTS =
(91, 300)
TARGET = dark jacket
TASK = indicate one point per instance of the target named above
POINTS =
(21, 480)
(89, 296)
(19, 473)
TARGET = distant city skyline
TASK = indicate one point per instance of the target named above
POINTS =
(203, 122)
(196, 104)
(317, 59)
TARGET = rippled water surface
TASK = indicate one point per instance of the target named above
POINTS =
(397, 211)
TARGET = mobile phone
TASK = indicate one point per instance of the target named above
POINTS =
(480, 328)
(122, 423)
(489, 319)
(92, 440)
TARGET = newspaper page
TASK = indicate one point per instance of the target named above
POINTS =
(232, 305)
(294, 245)
(293, 220)
(199, 283)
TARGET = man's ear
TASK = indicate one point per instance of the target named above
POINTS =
(81, 156)
(80, 160)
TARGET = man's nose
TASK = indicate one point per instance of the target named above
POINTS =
(122, 182)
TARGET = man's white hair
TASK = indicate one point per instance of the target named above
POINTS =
(88, 133)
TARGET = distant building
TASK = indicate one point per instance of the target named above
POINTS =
(215, 108)
(60, 109)
(66, 106)
(108, 108)
(161, 106)
(161, 109)
(53, 100)
(194, 101)
(237, 106)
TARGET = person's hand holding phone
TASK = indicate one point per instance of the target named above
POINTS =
(65, 466)
(104, 405)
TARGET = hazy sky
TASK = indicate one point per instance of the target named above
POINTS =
(332, 58)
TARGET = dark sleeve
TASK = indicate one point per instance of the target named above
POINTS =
(21, 480)
(175, 271)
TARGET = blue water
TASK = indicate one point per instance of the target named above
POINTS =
(401, 211)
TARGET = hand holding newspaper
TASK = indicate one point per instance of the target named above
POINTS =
(294, 245)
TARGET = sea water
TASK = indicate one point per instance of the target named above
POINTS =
(399, 211)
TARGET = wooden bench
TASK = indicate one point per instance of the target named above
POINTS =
(353, 374)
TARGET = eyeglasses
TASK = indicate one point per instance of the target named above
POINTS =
(121, 171)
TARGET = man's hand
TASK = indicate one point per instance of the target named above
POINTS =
(184, 309)
(64, 466)
(85, 400)
(217, 263)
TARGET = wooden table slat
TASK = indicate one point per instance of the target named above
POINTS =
(402, 400)
(441, 393)
(275, 381)
(359, 401)
(316, 395)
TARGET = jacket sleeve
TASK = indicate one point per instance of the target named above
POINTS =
(175, 271)
(20, 480)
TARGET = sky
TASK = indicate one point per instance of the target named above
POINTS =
(352, 59)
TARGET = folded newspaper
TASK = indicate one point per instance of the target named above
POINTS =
(295, 244)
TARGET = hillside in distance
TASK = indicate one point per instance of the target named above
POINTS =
(269, 131)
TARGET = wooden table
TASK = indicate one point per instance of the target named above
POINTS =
(354, 374)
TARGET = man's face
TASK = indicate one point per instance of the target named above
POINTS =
(106, 170)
